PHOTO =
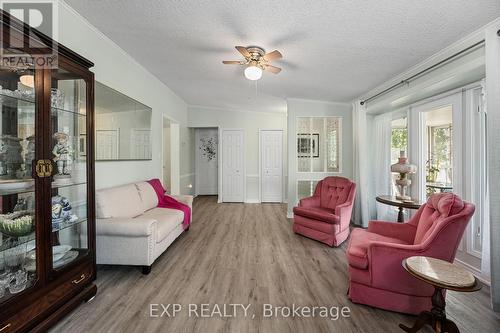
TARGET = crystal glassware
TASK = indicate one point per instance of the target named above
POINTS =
(19, 281)
(14, 257)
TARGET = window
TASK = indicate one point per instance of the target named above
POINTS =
(439, 164)
(305, 188)
(399, 138)
(318, 144)
(399, 142)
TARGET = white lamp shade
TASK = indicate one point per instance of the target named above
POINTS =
(27, 80)
(253, 73)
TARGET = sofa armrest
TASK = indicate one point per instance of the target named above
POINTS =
(128, 227)
(186, 199)
(403, 231)
(313, 201)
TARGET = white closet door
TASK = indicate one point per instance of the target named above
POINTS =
(271, 156)
(233, 166)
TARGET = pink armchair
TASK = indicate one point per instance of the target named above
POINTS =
(325, 216)
(376, 275)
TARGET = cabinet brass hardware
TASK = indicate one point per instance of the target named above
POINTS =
(5, 327)
(82, 277)
(44, 168)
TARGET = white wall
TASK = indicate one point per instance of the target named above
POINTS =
(309, 108)
(187, 161)
(116, 69)
(251, 122)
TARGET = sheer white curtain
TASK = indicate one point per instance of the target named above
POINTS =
(485, 253)
(361, 214)
(380, 147)
(493, 123)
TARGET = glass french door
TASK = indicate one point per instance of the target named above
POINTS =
(69, 187)
(19, 210)
(436, 146)
(448, 145)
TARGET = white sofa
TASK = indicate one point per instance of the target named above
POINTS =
(130, 229)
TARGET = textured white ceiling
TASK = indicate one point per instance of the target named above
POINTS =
(333, 50)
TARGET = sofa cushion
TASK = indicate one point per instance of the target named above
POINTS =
(118, 202)
(317, 213)
(149, 199)
(357, 251)
(438, 207)
(167, 219)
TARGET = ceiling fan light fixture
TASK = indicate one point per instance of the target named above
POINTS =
(253, 72)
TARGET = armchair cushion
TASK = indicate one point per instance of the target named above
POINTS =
(437, 208)
(335, 191)
(357, 253)
(317, 213)
(403, 231)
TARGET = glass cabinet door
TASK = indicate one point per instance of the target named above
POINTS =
(18, 248)
(69, 155)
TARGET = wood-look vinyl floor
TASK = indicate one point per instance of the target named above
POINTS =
(247, 253)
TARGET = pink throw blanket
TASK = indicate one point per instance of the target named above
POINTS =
(166, 201)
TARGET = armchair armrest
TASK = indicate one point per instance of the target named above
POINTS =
(186, 199)
(403, 231)
(388, 257)
(131, 227)
(313, 201)
(344, 212)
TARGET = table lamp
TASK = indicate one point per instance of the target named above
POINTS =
(403, 168)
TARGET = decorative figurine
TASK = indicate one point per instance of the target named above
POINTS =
(10, 156)
(62, 212)
(29, 157)
(63, 155)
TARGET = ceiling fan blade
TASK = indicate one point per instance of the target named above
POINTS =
(272, 69)
(273, 55)
(243, 51)
(233, 62)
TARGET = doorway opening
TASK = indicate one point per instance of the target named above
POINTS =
(206, 161)
(167, 169)
(170, 154)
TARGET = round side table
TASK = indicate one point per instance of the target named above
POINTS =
(442, 275)
(392, 201)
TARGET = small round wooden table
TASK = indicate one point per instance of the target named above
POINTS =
(392, 201)
(442, 275)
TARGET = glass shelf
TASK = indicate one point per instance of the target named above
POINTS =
(27, 189)
(9, 242)
(12, 101)
(76, 113)
(32, 188)
(66, 225)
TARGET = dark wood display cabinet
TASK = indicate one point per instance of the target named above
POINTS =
(47, 217)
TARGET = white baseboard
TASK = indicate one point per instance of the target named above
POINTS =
(252, 201)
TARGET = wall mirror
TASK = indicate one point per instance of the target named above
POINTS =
(123, 127)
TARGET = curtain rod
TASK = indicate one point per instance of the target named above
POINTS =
(428, 69)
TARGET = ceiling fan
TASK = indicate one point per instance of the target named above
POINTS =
(256, 61)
